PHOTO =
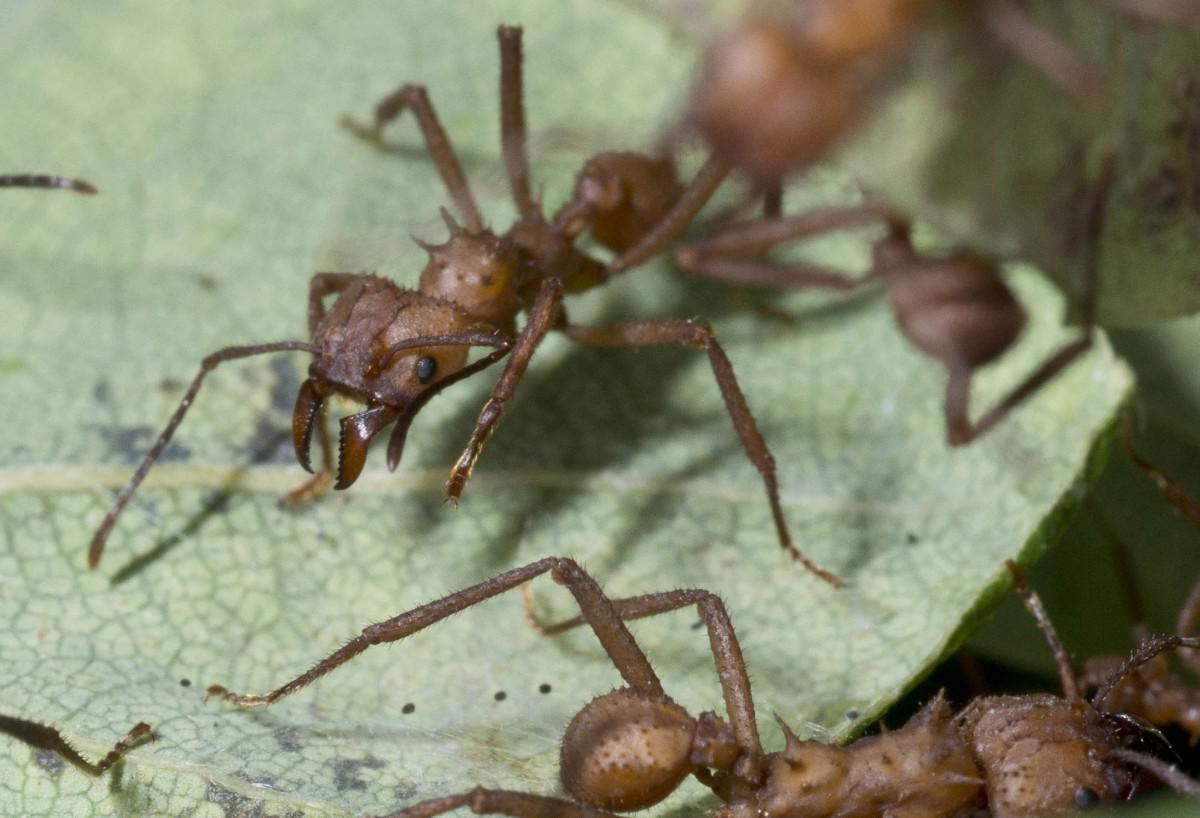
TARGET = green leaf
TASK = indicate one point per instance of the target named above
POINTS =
(225, 183)
(997, 156)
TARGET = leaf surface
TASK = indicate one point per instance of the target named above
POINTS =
(225, 183)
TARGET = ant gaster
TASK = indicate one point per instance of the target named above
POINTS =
(394, 349)
(43, 737)
(779, 92)
(630, 748)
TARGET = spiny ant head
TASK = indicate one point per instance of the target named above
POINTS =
(627, 751)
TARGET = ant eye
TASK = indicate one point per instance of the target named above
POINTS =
(1086, 798)
(426, 368)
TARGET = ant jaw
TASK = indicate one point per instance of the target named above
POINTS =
(308, 406)
(356, 433)
(395, 447)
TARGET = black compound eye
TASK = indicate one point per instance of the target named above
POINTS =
(426, 368)
(1086, 798)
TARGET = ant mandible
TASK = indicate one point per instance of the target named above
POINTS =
(394, 349)
(37, 180)
(630, 748)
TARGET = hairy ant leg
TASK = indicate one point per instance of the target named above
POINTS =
(513, 138)
(1170, 489)
(416, 99)
(40, 180)
(208, 364)
(697, 335)
(43, 737)
(543, 315)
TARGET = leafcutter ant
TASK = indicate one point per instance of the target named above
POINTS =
(632, 747)
(44, 181)
(42, 737)
(955, 308)
(394, 349)
(778, 92)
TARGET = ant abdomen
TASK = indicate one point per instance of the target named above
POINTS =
(626, 194)
(957, 309)
(765, 107)
(626, 750)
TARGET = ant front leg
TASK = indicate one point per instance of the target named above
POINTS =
(416, 99)
(542, 317)
(502, 802)
(635, 334)
(43, 737)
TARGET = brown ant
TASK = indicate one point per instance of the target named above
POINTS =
(779, 92)
(955, 308)
(43, 737)
(394, 349)
(45, 181)
(632, 747)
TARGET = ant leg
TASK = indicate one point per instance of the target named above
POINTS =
(512, 122)
(47, 738)
(597, 609)
(44, 181)
(542, 317)
(207, 365)
(634, 334)
(322, 479)
(1171, 490)
(728, 254)
(502, 802)
(1019, 33)
(415, 98)
(320, 287)
(727, 653)
(690, 203)
(1033, 604)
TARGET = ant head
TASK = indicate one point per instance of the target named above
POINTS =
(1054, 755)
(393, 349)
(765, 106)
(627, 750)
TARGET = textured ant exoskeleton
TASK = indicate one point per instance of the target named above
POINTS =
(394, 349)
(954, 307)
(1020, 756)
(45, 181)
(782, 89)
(43, 737)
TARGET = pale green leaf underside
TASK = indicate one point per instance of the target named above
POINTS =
(225, 184)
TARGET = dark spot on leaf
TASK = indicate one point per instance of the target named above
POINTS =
(185, 682)
(500, 696)
(345, 772)
(236, 805)
(408, 708)
(698, 624)
(49, 761)
(102, 392)
(543, 688)
(404, 792)
(288, 742)
(852, 714)
(911, 538)
(132, 442)
(207, 281)
(171, 385)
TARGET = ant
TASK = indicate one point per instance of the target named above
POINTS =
(42, 737)
(45, 181)
(394, 349)
(779, 93)
(955, 307)
(630, 748)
